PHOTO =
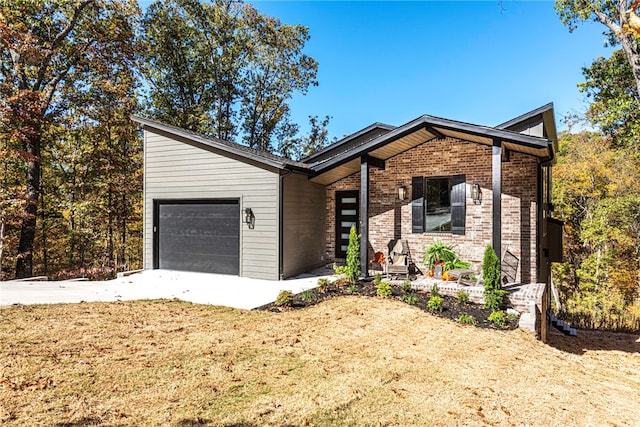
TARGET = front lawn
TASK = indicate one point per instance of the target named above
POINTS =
(346, 361)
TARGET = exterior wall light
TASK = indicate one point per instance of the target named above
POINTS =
(249, 218)
(476, 193)
(402, 192)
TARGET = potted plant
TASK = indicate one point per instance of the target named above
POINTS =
(440, 258)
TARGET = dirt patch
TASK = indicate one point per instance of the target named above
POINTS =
(452, 309)
(347, 361)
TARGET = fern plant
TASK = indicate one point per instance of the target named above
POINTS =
(439, 252)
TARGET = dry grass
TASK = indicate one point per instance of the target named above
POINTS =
(348, 361)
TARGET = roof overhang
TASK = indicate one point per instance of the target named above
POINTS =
(542, 115)
(229, 149)
(349, 142)
(419, 131)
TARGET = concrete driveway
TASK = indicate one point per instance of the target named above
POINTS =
(200, 288)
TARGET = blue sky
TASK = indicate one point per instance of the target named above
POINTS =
(472, 61)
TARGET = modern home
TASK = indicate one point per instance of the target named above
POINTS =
(217, 206)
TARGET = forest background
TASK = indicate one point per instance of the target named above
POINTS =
(73, 72)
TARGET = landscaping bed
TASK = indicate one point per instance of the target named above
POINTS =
(452, 308)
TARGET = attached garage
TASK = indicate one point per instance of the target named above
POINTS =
(197, 235)
(196, 192)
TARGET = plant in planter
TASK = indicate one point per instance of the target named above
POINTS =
(439, 254)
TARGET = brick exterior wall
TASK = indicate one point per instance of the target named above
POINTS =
(390, 218)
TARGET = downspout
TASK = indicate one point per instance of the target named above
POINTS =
(545, 203)
(281, 224)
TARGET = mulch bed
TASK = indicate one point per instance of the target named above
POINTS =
(452, 309)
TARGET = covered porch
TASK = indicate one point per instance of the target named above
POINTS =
(386, 172)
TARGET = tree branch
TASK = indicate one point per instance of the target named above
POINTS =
(604, 19)
(608, 22)
(57, 41)
(52, 88)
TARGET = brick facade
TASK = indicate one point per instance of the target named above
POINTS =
(390, 218)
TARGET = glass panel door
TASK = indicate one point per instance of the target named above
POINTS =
(347, 208)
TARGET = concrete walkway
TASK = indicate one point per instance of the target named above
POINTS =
(200, 288)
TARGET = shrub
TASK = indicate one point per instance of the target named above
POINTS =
(409, 299)
(323, 284)
(353, 256)
(352, 268)
(406, 286)
(308, 295)
(466, 319)
(435, 290)
(384, 289)
(352, 289)
(497, 318)
(494, 299)
(435, 303)
(463, 297)
(377, 279)
(284, 299)
(493, 294)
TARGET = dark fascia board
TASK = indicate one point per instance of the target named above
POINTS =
(426, 122)
(489, 132)
(548, 118)
(348, 138)
(225, 146)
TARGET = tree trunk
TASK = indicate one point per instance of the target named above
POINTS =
(632, 51)
(2, 221)
(24, 263)
(43, 219)
(123, 233)
(110, 246)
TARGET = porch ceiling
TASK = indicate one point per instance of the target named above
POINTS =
(338, 172)
(383, 152)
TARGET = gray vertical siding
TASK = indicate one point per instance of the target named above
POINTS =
(304, 224)
(177, 170)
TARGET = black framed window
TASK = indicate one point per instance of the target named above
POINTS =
(438, 204)
(437, 197)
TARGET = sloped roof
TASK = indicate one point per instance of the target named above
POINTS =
(424, 129)
(215, 144)
(350, 141)
(533, 133)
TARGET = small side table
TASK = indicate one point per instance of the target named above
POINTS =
(460, 273)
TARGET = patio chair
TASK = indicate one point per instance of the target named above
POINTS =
(398, 259)
(509, 268)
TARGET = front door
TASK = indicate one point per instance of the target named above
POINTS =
(347, 208)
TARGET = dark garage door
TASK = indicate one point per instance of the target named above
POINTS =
(201, 236)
